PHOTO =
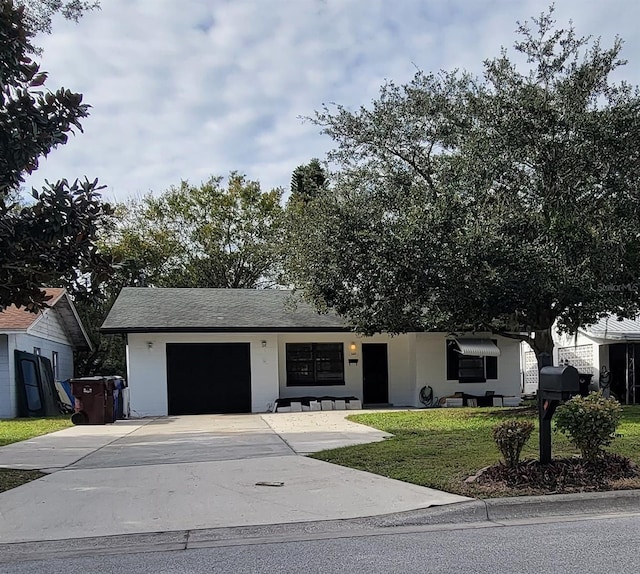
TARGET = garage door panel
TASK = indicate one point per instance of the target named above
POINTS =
(204, 378)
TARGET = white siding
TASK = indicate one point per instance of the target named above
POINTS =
(431, 365)
(26, 343)
(49, 326)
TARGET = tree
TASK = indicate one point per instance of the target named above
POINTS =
(52, 240)
(39, 13)
(202, 236)
(307, 181)
(506, 203)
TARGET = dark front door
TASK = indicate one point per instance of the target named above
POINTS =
(375, 373)
(204, 378)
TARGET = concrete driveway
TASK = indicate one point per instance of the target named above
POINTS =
(193, 472)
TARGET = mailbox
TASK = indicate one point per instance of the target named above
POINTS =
(564, 380)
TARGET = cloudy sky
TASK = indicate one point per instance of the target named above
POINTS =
(185, 89)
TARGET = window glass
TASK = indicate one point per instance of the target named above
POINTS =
(310, 364)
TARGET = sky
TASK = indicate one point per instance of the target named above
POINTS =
(188, 89)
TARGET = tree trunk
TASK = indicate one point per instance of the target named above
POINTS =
(542, 345)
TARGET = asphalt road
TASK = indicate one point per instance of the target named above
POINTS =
(585, 546)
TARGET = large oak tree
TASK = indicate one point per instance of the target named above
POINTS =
(507, 203)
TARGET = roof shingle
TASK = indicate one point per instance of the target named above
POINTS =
(148, 309)
(21, 319)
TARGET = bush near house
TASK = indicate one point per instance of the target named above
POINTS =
(590, 423)
(511, 436)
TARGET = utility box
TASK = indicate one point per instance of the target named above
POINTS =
(564, 381)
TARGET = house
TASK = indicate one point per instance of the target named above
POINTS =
(607, 351)
(610, 347)
(196, 351)
(53, 333)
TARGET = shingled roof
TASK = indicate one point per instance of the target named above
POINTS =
(148, 309)
(19, 319)
(14, 319)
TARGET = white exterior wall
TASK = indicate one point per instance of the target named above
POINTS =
(431, 367)
(49, 326)
(25, 342)
(401, 366)
(147, 368)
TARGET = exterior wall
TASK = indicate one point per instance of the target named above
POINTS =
(431, 367)
(25, 342)
(49, 326)
(564, 344)
(147, 368)
(400, 357)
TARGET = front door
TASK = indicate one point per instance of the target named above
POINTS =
(375, 374)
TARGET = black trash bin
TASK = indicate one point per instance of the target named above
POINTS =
(585, 381)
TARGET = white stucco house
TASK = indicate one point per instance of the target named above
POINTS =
(607, 350)
(196, 351)
(53, 333)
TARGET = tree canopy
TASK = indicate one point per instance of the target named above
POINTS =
(505, 203)
(52, 240)
(207, 235)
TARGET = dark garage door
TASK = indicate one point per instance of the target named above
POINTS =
(208, 378)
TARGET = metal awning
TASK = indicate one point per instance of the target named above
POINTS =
(477, 347)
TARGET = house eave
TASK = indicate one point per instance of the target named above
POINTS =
(125, 330)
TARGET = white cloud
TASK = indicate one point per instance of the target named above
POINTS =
(183, 90)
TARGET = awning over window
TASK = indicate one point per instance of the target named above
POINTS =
(477, 347)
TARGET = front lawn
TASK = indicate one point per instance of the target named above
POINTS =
(16, 430)
(440, 448)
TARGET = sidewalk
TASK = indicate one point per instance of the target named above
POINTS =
(473, 514)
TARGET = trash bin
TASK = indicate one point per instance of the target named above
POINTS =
(584, 381)
(94, 400)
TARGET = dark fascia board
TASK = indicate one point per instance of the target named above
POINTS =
(115, 330)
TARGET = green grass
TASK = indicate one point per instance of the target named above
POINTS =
(440, 448)
(16, 430)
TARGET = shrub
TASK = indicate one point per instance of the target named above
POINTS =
(511, 436)
(590, 423)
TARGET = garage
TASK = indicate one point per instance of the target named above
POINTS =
(207, 378)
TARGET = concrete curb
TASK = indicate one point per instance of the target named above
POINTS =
(471, 514)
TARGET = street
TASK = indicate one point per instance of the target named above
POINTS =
(585, 545)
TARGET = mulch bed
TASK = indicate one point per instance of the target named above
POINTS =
(610, 472)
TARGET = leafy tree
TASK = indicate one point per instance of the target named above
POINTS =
(201, 236)
(39, 13)
(51, 240)
(506, 203)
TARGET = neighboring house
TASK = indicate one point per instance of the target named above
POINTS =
(195, 351)
(53, 333)
(610, 346)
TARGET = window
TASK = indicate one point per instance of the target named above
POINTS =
(36, 351)
(315, 364)
(469, 368)
(54, 365)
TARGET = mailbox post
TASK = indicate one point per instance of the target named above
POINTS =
(555, 384)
